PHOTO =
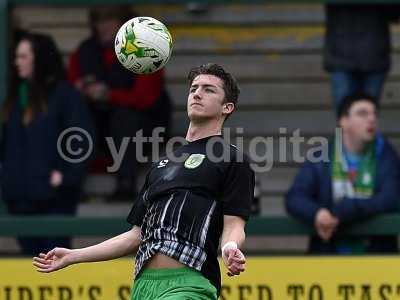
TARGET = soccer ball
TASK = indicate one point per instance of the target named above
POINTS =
(143, 45)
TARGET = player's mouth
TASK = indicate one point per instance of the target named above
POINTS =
(195, 103)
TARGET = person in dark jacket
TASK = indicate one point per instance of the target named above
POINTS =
(36, 179)
(122, 103)
(357, 48)
(360, 181)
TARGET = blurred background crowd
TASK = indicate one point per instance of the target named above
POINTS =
(307, 67)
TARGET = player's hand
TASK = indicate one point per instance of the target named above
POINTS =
(234, 261)
(54, 260)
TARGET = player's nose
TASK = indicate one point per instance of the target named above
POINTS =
(197, 94)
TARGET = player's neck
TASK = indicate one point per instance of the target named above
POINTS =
(202, 130)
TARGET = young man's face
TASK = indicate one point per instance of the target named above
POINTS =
(361, 123)
(206, 99)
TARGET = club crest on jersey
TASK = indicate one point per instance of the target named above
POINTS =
(194, 160)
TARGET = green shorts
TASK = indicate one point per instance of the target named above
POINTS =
(172, 284)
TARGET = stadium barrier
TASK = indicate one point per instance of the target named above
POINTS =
(257, 226)
(266, 277)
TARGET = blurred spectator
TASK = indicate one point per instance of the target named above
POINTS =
(361, 180)
(40, 105)
(122, 103)
(357, 47)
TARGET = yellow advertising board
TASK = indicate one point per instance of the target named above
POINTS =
(279, 278)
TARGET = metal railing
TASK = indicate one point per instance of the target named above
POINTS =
(258, 226)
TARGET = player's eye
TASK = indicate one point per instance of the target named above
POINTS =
(192, 90)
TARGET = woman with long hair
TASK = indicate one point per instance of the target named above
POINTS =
(40, 105)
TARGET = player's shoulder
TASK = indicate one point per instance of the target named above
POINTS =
(238, 155)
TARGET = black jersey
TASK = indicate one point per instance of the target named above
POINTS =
(181, 206)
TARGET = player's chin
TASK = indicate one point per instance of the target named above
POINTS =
(197, 116)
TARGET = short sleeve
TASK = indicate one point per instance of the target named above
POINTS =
(138, 210)
(238, 190)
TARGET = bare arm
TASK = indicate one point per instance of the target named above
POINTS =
(118, 246)
(233, 236)
(233, 230)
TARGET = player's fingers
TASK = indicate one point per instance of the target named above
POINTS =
(50, 254)
(239, 256)
(40, 265)
(239, 266)
(42, 255)
(236, 257)
(41, 260)
(238, 260)
(45, 270)
(239, 253)
(236, 267)
(234, 271)
(231, 257)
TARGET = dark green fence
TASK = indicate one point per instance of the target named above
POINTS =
(268, 226)
(101, 226)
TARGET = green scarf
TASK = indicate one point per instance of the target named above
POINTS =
(362, 187)
(23, 94)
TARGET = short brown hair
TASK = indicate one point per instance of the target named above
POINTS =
(230, 85)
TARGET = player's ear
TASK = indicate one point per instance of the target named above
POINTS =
(228, 108)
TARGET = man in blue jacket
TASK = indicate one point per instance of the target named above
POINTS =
(360, 180)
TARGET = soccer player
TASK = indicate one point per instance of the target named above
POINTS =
(188, 203)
